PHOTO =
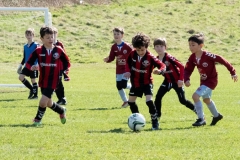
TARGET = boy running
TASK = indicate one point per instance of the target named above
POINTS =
(173, 76)
(120, 50)
(49, 58)
(27, 51)
(205, 63)
(139, 67)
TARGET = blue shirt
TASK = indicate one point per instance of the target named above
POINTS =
(28, 50)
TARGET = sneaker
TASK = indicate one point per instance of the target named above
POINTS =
(63, 116)
(63, 101)
(155, 124)
(30, 95)
(199, 122)
(216, 119)
(125, 104)
(37, 122)
(34, 97)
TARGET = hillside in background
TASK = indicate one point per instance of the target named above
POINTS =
(86, 28)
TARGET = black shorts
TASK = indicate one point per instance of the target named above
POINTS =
(138, 91)
(29, 73)
(47, 92)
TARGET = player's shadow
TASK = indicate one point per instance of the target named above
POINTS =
(20, 125)
(116, 130)
(10, 100)
(97, 109)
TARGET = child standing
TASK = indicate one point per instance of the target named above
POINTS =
(49, 57)
(173, 76)
(27, 51)
(139, 67)
(120, 50)
(60, 88)
(205, 62)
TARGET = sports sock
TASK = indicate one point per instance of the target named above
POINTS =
(40, 113)
(123, 95)
(213, 109)
(35, 89)
(199, 109)
(133, 107)
(152, 109)
(129, 85)
(57, 108)
(27, 84)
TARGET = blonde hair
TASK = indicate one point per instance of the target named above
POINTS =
(29, 31)
(160, 41)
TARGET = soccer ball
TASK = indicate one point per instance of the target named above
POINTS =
(136, 122)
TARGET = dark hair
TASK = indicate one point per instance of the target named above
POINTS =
(118, 29)
(198, 38)
(160, 41)
(29, 31)
(45, 30)
(140, 40)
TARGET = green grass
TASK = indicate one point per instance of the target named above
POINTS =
(97, 128)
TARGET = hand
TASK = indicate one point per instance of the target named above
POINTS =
(187, 84)
(180, 83)
(66, 71)
(127, 74)
(156, 71)
(235, 78)
(66, 77)
(34, 67)
(19, 69)
(106, 59)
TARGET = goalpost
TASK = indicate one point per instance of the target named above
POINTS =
(13, 23)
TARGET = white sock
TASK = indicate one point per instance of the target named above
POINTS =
(199, 109)
(123, 95)
(213, 109)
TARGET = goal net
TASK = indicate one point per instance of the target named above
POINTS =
(13, 23)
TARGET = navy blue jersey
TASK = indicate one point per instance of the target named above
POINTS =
(28, 50)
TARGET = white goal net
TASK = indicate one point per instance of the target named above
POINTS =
(13, 23)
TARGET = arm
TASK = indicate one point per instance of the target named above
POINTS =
(32, 59)
(65, 61)
(128, 65)
(111, 56)
(175, 62)
(189, 67)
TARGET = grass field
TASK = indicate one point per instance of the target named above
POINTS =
(96, 126)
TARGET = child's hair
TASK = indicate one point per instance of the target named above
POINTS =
(55, 30)
(45, 30)
(29, 31)
(198, 38)
(140, 40)
(160, 41)
(118, 29)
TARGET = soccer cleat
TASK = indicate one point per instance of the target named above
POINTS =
(199, 122)
(63, 101)
(155, 124)
(30, 94)
(33, 97)
(37, 122)
(125, 104)
(63, 116)
(216, 119)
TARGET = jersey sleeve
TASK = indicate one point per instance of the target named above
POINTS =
(23, 60)
(157, 63)
(65, 60)
(223, 61)
(179, 65)
(129, 62)
(32, 59)
(111, 55)
(188, 69)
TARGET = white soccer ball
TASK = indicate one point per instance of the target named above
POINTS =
(136, 122)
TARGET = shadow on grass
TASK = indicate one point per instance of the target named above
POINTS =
(21, 125)
(10, 100)
(100, 109)
(116, 130)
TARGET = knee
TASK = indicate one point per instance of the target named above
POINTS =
(195, 97)
(207, 100)
(21, 77)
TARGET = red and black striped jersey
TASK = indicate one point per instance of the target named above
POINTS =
(49, 65)
(59, 43)
(121, 54)
(174, 69)
(141, 68)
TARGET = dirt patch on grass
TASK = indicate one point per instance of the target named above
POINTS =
(48, 3)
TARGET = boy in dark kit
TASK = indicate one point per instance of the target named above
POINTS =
(60, 88)
(205, 63)
(173, 76)
(27, 51)
(120, 50)
(49, 57)
(140, 64)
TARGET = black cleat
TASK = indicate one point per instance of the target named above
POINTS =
(155, 124)
(63, 101)
(216, 119)
(34, 97)
(199, 122)
(30, 94)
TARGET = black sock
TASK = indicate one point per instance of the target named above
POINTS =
(60, 91)
(40, 113)
(57, 108)
(133, 107)
(27, 84)
(152, 109)
(35, 89)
